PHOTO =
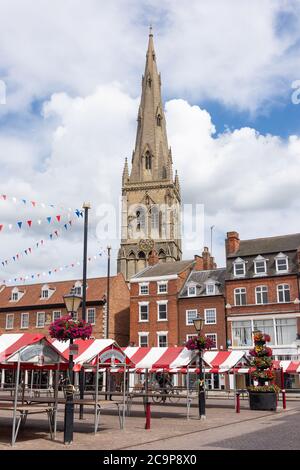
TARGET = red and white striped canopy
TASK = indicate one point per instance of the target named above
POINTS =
(107, 349)
(12, 344)
(172, 358)
(175, 359)
(290, 367)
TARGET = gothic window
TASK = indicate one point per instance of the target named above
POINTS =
(140, 220)
(155, 219)
(149, 80)
(164, 172)
(158, 120)
(162, 256)
(148, 161)
(142, 255)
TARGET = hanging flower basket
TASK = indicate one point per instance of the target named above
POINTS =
(67, 328)
(199, 343)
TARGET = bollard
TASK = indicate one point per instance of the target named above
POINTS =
(238, 405)
(148, 416)
(283, 399)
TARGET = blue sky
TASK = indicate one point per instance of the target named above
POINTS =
(73, 74)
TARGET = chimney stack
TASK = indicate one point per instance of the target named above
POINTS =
(232, 242)
(204, 262)
(153, 258)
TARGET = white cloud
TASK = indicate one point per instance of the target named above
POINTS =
(71, 57)
(247, 181)
(243, 54)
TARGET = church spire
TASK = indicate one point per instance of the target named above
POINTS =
(151, 161)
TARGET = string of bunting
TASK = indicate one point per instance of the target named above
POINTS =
(50, 272)
(49, 219)
(28, 251)
(34, 204)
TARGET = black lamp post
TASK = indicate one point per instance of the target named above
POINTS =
(198, 324)
(72, 303)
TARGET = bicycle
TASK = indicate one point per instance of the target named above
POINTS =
(173, 395)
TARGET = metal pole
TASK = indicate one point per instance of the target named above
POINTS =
(211, 239)
(13, 440)
(108, 291)
(107, 310)
(201, 396)
(69, 407)
(86, 206)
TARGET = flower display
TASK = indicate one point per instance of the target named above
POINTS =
(261, 338)
(198, 343)
(262, 362)
(67, 328)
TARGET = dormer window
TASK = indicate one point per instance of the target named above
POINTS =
(260, 265)
(15, 295)
(210, 289)
(282, 263)
(77, 289)
(46, 292)
(192, 291)
(239, 267)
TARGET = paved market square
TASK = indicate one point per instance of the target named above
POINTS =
(170, 429)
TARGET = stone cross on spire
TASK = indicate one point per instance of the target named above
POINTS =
(151, 158)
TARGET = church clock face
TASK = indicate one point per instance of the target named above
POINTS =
(146, 244)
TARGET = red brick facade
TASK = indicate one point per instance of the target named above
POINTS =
(153, 326)
(201, 304)
(279, 317)
(175, 325)
(31, 303)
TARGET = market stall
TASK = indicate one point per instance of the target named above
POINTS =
(23, 353)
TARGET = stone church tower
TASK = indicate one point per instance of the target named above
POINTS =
(151, 199)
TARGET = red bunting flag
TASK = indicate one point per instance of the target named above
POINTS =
(56, 233)
(33, 203)
(1, 227)
(4, 197)
(58, 218)
(29, 223)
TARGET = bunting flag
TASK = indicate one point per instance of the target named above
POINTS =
(30, 223)
(52, 236)
(51, 271)
(56, 218)
(36, 204)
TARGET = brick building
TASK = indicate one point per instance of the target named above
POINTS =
(203, 294)
(262, 291)
(154, 293)
(31, 308)
(162, 294)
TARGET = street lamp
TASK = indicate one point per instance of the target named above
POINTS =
(198, 324)
(72, 303)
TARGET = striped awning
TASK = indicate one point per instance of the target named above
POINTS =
(108, 351)
(290, 367)
(177, 359)
(28, 348)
